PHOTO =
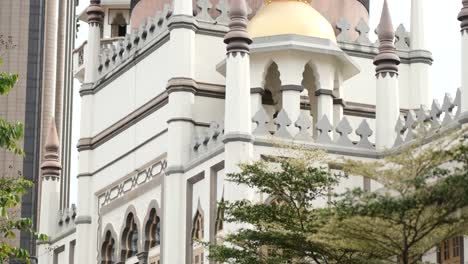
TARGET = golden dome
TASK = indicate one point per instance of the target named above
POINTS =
(280, 17)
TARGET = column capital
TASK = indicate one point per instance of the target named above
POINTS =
(237, 38)
(95, 12)
(463, 17)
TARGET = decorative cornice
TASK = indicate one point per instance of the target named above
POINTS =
(83, 219)
(320, 92)
(180, 84)
(238, 137)
(257, 90)
(292, 87)
(237, 39)
(118, 127)
(463, 17)
(339, 101)
(183, 21)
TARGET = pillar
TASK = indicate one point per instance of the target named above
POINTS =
(387, 101)
(324, 92)
(85, 224)
(420, 78)
(181, 90)
(463, 17)
(238, 126)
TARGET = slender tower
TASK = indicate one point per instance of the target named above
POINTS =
(420, 81)
(181, 89)
(387, 102)
(84, 222)
(50, 189)
(463, 17)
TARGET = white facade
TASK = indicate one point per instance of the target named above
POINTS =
(166, 113)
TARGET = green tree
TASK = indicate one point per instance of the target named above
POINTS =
(421, 203)
(12, 188)
(283, 229)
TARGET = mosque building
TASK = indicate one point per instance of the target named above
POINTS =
(175, 94)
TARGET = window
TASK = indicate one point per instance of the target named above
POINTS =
(108, 249)
(197, 235)
(153, 230)
(119, 26)
(450, 251)
(129, 238)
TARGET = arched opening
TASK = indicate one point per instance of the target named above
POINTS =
(272, 95)
(129, 238)
(108, 249)
(310, 84)
(119, 26)
(198, 231)
(152, 231)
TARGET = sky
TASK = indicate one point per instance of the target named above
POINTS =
(442, 34)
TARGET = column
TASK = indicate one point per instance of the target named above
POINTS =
(387, 101)
(463, 17)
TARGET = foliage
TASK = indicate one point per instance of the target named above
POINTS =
(421, 203)
(421, 199)
(11, 191)
(12, 188)
(281, 230)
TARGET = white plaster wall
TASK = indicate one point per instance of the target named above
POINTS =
(65, 255)
(362, 87)
(126, 141)
(132, 89)
(209, 51)
(208, 109)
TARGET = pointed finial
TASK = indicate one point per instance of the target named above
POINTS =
(95, 12)
(51, 164)
(387, 60)
(463, 16)
(237, 38)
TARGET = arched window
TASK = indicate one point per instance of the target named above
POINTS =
(119, 26)
(153, 230)
(108, 249)
(197, 230)
(130, 238)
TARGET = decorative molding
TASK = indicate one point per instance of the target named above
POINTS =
(83, 219)
(180, 84)
(132, 181)
(320, 92)
(238, 137)
(292, 87)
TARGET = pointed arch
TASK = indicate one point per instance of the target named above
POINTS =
(130, 235)
(152, 234)
(107, 253)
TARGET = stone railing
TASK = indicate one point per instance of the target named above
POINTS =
(117, 53)
(424, 120)
(208, 139)
(302, 131)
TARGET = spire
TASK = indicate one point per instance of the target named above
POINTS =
(237, 39)
(95, 12)
(387, 60)
(463, 16)
(51, 165)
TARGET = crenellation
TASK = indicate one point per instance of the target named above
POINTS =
(402, 36)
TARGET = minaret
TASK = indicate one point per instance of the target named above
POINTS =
(387, 101)
(463, 17)
(181, 91)
(238, 124)
(50, 189)
(85, 225)
(420, 78)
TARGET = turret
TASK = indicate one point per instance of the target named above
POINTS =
(463, 17)
(387, 101)
(181, 91)
(421, 61)
(85, 224)
(50, 189)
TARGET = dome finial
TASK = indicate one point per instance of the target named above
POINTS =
(51, 163)
(237, 38)
(463, 16)
(95, 12)
(387, 60)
